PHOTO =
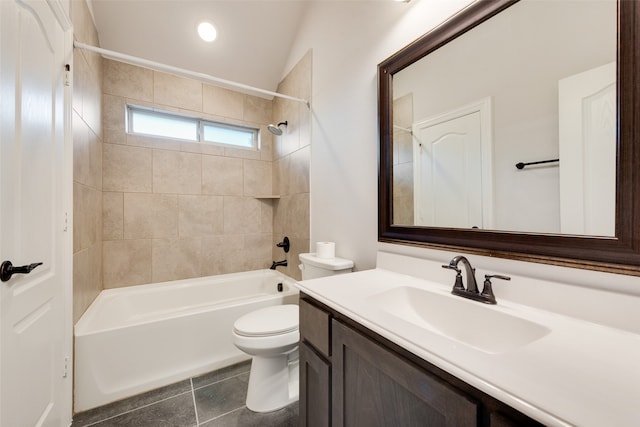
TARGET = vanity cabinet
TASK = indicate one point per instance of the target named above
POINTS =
(351, 376)
(372, 386)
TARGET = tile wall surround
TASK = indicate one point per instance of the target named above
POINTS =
(403, 209)
(175, 210)
(292, 152)
(150, 209)
(87, 163)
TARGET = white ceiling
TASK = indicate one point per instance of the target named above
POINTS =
(254, 37)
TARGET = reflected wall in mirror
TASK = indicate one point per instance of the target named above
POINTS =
(505, 82)
(518, 66)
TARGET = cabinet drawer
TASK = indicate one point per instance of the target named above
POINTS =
(315, 325)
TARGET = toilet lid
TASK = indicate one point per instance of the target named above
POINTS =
(277, 319)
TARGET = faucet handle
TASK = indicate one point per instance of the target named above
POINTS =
(487, 290)
(457, 286)
(452, 267)
(496, 276)
(285, 244)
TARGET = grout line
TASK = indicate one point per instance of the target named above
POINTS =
(224, 379)
(193, 397)
(192, 391)
(135, 409)
(226, 413)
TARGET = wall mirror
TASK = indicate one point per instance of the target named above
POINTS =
(512, 130)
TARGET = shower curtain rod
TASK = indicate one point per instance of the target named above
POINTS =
(182, 72)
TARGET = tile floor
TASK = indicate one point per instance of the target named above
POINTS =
(216, 399)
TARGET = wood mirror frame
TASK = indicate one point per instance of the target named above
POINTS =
(619, 254)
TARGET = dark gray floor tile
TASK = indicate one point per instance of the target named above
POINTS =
(173, 412)
(285, 417)
(221, 397)
(221, 374)
(125, 405)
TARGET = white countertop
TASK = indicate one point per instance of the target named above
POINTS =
(580, 373)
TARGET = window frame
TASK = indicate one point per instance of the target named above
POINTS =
(200, 124)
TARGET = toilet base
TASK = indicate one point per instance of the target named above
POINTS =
(273, 382)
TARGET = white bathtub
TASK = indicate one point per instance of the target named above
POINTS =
(137, 338)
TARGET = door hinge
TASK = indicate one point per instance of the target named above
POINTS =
(65, 371)
(67, 75)
(66, 222)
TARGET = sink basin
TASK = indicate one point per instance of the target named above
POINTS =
(463, 320)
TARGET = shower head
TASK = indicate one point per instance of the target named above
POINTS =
(275, 129)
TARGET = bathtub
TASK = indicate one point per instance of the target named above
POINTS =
(138, 338)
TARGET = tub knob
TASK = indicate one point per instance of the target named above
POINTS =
(285, 244)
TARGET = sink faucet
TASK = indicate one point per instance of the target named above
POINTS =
(472, 291)
(275, 264)
(472, 285)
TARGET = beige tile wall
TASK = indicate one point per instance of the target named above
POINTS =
(403, 212)
(150, 209)
(87, 163)
(175, 210)
(292, 151)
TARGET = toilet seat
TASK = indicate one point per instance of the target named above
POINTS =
(268, 321)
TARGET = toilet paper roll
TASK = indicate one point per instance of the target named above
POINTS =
(326, 250)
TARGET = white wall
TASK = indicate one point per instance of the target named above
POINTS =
(348, 40)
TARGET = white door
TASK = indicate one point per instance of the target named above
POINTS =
(452, 170)
(35, 324)
(587, 136)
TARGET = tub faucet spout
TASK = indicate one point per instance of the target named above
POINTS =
(275, 264)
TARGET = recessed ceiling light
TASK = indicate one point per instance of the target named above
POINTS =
(207, 31)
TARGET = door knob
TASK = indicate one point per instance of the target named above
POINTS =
(7, 269)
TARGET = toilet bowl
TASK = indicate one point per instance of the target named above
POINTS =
(270, 335)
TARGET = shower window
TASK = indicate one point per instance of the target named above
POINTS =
(147, 121)
(227, 134)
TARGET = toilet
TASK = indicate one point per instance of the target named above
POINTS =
(270, 336)
(314, 267)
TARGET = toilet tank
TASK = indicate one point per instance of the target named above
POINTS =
(313, 267)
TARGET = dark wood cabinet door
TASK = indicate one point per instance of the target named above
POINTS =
(374, 387)
(315, 389)
(514, 419)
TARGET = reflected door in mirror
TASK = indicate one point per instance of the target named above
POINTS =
(587, 110)
(448, 191)
(452, 178)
